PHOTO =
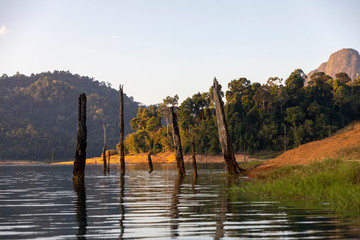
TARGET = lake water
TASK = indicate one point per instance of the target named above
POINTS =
(41, 202)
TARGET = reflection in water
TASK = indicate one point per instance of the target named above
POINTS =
(81, 218)
(194, 183)
(43, 203)
(223, 209)
(122, 209)
(174, 210)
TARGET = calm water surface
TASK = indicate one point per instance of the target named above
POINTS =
(41, 202)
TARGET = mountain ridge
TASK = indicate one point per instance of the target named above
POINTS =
(39, 115)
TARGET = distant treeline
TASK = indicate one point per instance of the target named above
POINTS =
(38, 115)
(271, 116)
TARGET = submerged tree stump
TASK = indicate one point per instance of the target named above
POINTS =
(231, 165)
(177, 144)
(121, 144)
(80, 153)
(104, 149)
(108, 165)
(194, 158)
(150, 163)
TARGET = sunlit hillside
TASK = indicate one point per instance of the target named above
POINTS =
(345, 144)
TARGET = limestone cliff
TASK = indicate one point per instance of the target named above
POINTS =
(345, 60)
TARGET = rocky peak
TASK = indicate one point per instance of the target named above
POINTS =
(345, 60)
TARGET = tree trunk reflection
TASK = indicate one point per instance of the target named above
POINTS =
(122, 208)
(174, 211)
(223, 210)
(81, 215)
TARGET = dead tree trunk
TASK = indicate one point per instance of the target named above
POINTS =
(121, 145)
(104, 149)
(150, 163)
(80, 153)
(193, 158)
(177, 144)
(108, 165)
(231, 165)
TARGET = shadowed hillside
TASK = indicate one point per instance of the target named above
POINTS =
(39, 115)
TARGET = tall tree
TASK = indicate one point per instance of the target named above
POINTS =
(342, 77)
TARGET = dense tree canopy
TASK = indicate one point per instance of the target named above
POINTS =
(270, 116)
(39, 115)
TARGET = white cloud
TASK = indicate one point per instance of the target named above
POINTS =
(3, 30)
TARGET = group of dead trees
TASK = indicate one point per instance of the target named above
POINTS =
(80, 155)
(231, 165)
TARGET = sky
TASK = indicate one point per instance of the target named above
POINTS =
(159, 48)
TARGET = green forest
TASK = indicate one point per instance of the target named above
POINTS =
(39, 115)
(274, 116)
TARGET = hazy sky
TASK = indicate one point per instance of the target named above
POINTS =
(162, 48)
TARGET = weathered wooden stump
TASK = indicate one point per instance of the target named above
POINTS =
(108, 165)
(121, 144)
(80, 153)
(194, 158)
(177, 144)
(150, 163)
(104, 149)
(231, 165)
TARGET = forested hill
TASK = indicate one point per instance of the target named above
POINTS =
(39, 115)
(276, 115)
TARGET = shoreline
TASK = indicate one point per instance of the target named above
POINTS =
(162, 158)
(22, 162)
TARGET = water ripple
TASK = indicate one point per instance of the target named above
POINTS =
(42, 203)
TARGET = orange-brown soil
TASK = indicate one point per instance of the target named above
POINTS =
(159, 158)
(339, 145)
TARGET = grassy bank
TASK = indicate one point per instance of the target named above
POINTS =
(333, 183)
